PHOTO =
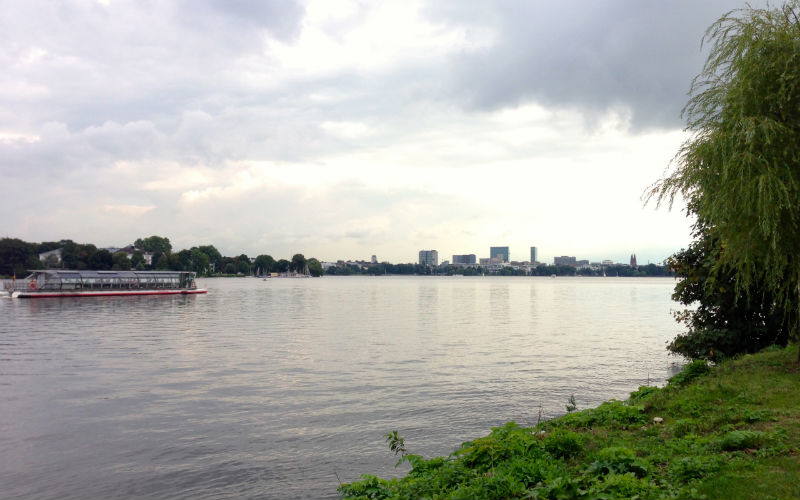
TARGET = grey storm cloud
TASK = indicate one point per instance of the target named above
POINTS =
(634, 56)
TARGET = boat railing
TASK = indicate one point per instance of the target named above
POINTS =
(12, 285)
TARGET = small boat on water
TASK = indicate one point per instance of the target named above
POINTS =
(68, 283)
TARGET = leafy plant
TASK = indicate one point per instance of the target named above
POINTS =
(619, 460)
(694, 467)
(571, 404)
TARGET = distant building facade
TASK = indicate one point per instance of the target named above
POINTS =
(499, 253)
(534, 256)
(565, 260)
(429, 258)
(51, 258)
(633, 261)
(464, 260)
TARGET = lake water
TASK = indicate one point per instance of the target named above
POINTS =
(282, 388)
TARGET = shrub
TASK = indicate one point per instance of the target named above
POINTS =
(563, 444)
(615, 413)
(689, 373)
(643, 393)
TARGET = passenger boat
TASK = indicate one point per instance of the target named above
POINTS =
(64, 283)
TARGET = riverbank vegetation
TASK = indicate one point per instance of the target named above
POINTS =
(728, 431)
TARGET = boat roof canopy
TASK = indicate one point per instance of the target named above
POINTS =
(70, 273)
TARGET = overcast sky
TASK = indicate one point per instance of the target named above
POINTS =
(342, 129)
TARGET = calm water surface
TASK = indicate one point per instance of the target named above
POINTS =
(272, 389)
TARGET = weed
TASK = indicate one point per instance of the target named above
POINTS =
(740, 440)
(618, 460)
(571, 404)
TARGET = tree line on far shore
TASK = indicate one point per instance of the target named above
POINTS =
(17, 257)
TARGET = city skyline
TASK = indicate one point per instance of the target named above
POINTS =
(347, 130)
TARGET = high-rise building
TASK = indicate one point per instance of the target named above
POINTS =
(499, 253)
(428, 258)
(533, 255)
(633, 261)
(464, 260)
(374, 259)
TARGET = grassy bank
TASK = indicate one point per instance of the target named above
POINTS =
(731, 431)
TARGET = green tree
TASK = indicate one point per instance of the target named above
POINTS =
(214, 257)
(17, 257)
(137, 261)
(724, 321)
(315, 267)
(181, 261)
(200, 261)
(76, 256)
(160, 261)
(242, 264)
(121, 261)
(154, 244)
(282, 266)
(740, 169)
(264, 263)
(101, 260)
(298, 263)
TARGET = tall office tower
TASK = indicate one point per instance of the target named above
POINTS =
(374, 259)
(499, 253)
(428, 258)
(533, 255)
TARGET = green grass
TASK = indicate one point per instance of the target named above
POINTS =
(730, 432)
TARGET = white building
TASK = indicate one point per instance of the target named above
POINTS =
(429, 258)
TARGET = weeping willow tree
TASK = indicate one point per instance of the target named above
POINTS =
(739, 171)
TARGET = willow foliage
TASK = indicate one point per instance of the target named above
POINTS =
(740, 169)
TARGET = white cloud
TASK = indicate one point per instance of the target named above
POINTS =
(346, 130)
